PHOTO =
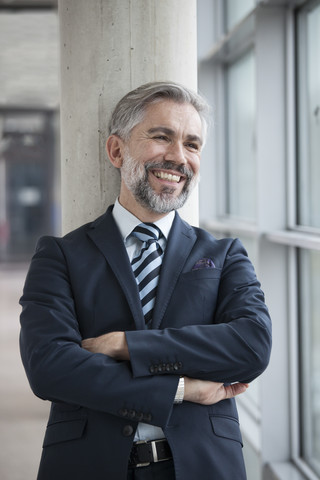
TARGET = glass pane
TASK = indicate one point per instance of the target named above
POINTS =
(310, 356)
(252, 461)
(309, 116)
(26, 168)
(236, 10)
(241, 148)
(29, 97)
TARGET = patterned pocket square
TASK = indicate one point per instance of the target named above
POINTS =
(204, 263)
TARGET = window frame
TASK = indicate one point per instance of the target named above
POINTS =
(284, 241)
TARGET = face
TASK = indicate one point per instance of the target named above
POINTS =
(161, 160)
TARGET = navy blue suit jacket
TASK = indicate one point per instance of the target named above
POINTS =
(209, 323)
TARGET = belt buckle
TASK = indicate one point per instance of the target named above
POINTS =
(142, 464)
(154, 450)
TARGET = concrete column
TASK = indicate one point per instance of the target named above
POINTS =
(109, 47)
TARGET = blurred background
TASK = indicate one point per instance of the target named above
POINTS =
(259, 67)
(29, 206)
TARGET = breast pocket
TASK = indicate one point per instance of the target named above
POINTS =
(194, 298)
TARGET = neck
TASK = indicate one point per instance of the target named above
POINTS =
(142, 213)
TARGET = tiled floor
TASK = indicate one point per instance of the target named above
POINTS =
(22, 415)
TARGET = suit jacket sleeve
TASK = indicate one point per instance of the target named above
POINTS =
(234, 346)
(58, 368)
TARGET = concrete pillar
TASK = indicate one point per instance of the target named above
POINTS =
(109, 47)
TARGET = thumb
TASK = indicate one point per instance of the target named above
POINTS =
(235, 389)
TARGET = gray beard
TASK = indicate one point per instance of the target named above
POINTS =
(135, 176)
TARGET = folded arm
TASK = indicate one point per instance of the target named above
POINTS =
(204, 392)
(57, 366)
(234, 347)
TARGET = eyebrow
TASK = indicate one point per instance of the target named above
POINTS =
(170, 132)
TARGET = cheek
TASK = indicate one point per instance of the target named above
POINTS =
(149, 154)
(156, 152)
(194, 163)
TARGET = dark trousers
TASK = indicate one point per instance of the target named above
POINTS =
(154, 471)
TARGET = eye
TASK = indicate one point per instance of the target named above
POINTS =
(161, 137)
(193, 146)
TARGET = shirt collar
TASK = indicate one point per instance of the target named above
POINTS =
(126, 221)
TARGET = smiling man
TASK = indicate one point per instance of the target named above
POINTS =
(139, 328)
(160, 161)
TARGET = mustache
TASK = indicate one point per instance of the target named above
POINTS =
(167, 165)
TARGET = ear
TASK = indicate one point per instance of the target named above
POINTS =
(115, 148)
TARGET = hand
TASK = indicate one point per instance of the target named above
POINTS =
(113, 344)
(208, 393)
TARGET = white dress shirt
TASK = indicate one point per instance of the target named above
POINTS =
(126, 222)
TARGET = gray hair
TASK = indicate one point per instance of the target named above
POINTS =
(131, 108)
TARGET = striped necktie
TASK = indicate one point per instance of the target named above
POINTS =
(146, 265)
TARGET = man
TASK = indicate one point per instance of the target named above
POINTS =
(139, 328)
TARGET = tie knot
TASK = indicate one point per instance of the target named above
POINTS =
(146, 232)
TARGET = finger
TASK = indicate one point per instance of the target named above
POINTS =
(87, 343)
(235, 389)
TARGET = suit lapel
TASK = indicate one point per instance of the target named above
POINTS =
(105, 234)
(180, 243)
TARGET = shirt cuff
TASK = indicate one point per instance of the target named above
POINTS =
(180, 391)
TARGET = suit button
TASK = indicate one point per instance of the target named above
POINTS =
(160, 369)
(127, 430)
(123, 412)
(132, 414)
(151, 369)
(147, 417)
(139, 416)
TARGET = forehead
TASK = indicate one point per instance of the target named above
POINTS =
(178, 116)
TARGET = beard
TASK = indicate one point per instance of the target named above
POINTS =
(135, 175)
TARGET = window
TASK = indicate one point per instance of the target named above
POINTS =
(27, 145)
(240, 141)
(309, 275)
(263, 81)
(236, 10)
(308, 75)
(29, 94)
(308, 217)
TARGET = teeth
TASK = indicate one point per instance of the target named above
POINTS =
(167, 176)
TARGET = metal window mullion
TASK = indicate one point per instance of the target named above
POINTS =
(305, 342)
(293, 330)
(291, 122)
(302, 153)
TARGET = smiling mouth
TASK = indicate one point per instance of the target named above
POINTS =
(167, 176)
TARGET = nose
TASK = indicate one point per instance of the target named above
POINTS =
(175, 153)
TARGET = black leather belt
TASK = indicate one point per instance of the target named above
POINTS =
(144, 453)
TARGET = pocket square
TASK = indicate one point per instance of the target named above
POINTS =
(203, 263)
